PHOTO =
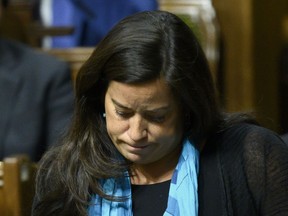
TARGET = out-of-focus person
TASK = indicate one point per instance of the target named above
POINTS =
(36, 97)
(91, 19)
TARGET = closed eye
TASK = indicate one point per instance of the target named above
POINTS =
(156, 118)
(123, 114)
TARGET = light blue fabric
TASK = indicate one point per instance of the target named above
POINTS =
(183, 196)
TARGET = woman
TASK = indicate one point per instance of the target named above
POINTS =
(148, 137)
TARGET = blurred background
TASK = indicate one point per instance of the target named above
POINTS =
(246, 42)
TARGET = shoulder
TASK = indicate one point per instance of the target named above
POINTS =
(252, 164)
(249, 134)
(28, 57)
(252, 147)
(246, 143)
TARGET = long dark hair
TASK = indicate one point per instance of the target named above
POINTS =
(140, 48)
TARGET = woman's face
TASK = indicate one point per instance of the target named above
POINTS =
(144, 121)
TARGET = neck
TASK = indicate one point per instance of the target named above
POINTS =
(156, 172)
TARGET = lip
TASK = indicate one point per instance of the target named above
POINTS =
(136, 147)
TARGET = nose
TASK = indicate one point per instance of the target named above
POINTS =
(137, 128)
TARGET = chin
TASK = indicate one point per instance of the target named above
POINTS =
(136, 159)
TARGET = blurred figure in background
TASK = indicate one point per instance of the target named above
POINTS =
(91, 19)
(36, 97)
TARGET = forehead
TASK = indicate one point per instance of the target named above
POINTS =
(144, 94)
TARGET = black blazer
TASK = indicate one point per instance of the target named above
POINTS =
(36, 99)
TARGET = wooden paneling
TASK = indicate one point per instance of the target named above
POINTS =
(74, 56)
(251, 34)
(17, 175)
(267, 44)
(18, 22)
(236, 31)
(14, 21)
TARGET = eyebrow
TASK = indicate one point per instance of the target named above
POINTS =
(119, 104)
(164, 108)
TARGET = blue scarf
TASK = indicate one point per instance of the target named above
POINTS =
(183, 196)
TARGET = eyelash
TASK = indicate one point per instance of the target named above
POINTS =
(156, 119)
(122, 114)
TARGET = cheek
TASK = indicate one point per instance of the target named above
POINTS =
(165, 133)
(114, 126)
(173, 130)
(110, 120)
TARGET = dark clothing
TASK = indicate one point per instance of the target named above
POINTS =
(36, 97)
(244, 171)
(285, 138)
(150, 199)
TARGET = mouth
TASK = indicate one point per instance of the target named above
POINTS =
(137, 147)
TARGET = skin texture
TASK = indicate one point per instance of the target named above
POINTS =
(144, 123)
